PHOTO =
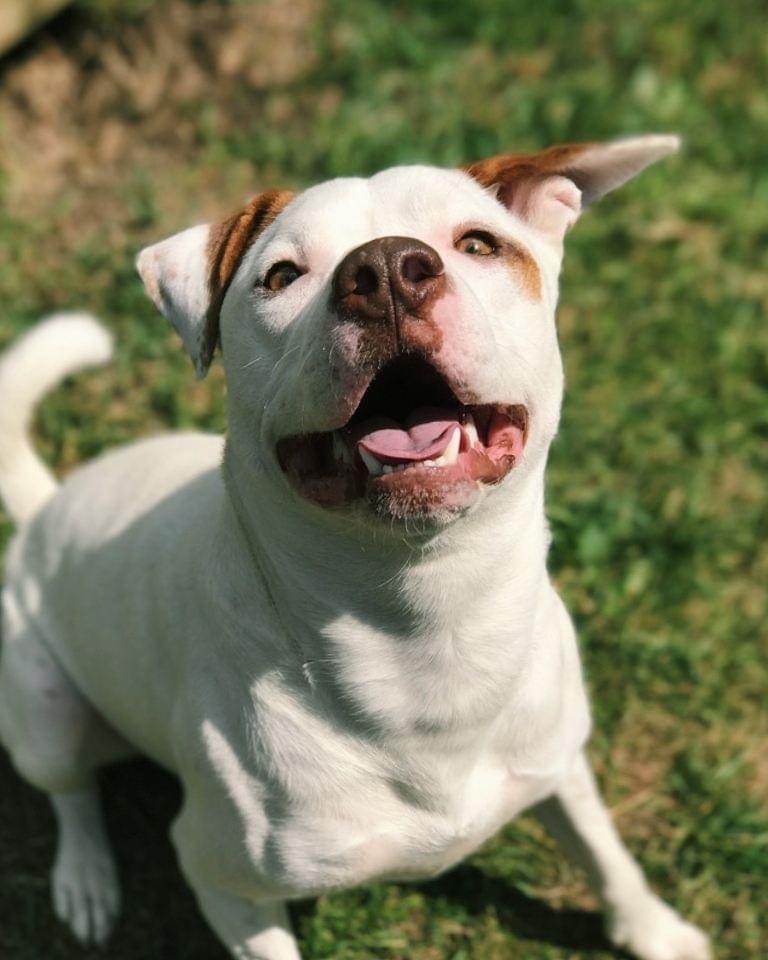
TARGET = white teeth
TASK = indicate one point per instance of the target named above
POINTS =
(388, 468)
(451, 453)
(471, 430)
(374, 467)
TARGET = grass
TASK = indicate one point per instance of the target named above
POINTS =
(656, 489)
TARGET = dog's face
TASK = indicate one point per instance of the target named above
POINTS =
(405, 328)
(390, 343)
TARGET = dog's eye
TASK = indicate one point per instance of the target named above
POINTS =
(281, 275)
(477, 243)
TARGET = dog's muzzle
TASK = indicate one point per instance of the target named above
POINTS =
(410, 443)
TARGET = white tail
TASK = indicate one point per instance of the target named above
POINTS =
(29, 369)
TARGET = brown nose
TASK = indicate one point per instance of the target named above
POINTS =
(386, 278)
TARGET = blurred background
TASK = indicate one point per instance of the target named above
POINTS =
(121, 122)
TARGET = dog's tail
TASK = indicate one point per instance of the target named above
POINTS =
(58, 346)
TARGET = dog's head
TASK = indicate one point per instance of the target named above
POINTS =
(390, 342)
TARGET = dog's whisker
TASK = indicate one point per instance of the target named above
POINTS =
(251, 362)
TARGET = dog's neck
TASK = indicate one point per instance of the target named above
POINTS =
(462, 603)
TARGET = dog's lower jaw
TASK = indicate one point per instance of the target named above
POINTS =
(422, 499)
(422, 493)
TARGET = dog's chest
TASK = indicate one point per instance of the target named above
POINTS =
(395, 831)
(339, 805)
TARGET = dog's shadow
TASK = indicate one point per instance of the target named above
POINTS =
(526, 917)
(160, 918)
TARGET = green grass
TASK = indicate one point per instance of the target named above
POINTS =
(657, 482)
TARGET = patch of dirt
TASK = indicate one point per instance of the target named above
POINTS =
(83, 107)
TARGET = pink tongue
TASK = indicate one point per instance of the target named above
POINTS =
(425, 436)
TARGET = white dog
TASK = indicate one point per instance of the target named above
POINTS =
(336, 627)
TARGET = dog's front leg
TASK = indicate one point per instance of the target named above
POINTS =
(636, 918)
(250, 931)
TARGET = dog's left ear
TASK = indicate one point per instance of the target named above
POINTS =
(188, 275)
(550, 189)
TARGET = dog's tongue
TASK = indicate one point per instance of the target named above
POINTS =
(424, 436)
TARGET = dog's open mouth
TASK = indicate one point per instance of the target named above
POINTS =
(410, 447)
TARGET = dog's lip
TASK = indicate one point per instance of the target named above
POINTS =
(334, 467)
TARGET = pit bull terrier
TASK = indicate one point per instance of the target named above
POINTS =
(336, 626)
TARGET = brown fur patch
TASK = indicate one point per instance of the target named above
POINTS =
(416, 326)
(509, 169)
(525, 268)
(519, 259)
(228, 242)
(420, 332)
(402, 331)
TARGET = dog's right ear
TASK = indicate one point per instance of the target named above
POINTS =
(549, 189)
(188, 275)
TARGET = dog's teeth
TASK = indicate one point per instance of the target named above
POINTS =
(388, 468)
(471, 429)
(374, 467)
(451, 454)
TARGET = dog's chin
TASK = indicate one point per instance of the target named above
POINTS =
(412, 450)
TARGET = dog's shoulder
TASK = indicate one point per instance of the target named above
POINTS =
(124, 486)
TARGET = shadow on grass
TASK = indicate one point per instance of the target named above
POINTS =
(160, 918)
(524, 916)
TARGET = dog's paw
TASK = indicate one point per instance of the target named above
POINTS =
(86, 892)
(651, 930)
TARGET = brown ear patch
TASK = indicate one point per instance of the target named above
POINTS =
(228, 242)
(506, 170)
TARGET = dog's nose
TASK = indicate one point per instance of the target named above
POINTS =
(384, 278)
